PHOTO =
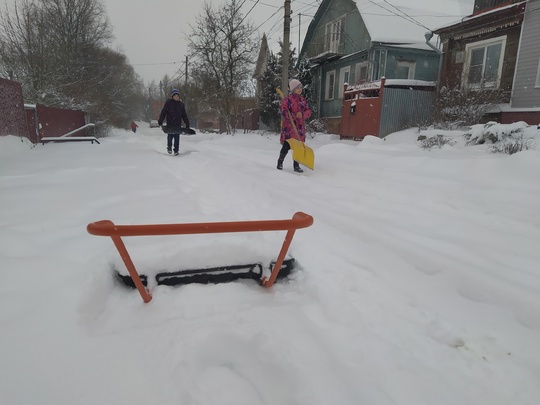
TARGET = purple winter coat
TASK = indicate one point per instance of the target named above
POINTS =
(294, 103)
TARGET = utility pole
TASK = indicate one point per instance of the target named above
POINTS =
(185, 84)
(285, 50)
(299, 23)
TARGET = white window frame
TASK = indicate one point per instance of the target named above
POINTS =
(410, 65)
(345, 71)
(358, 68)
(469, 48)
(333, 31)
(538, 75)
(330, 85)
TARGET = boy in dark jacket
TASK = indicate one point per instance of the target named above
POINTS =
(174, 112)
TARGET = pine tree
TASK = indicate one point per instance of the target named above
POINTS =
(270, 101)
(305, 75)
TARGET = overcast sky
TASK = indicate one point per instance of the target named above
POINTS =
(153, 33)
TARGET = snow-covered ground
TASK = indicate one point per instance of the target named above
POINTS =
(418, 283)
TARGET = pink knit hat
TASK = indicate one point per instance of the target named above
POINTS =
(294, 84)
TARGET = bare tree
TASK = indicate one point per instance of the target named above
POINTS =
(455, 107)
(46, 44)
(113, 93)
(58, 50)
(78, 29)
(77, 25)
(25, 47)
(222, 49)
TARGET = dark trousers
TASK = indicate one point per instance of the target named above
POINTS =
(170, 138)
(283, 153)
(285, 149)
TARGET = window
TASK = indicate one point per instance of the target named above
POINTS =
(344, 74)
(382, 63)
(405, 70)
(483, 63)
(333, 35)
(330, 83)
(538, 75)
(361, 73)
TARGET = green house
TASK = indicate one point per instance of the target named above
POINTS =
(356, 42)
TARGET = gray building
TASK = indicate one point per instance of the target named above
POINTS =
(525, 98)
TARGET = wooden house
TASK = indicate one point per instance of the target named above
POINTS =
(352, 42)
(495, 51)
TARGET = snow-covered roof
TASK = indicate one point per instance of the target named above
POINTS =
(408, 82)
(409, 20)
(391, 82)
(481, 14)
(509, 108)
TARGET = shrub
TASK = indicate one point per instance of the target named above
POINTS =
(437, 141)
(316, 125)
(455, 107)
(511, 146)
(480, 133)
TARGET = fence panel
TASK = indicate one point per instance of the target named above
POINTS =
(12, 115)
(405, 108)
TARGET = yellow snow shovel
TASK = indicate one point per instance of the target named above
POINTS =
(302, 153)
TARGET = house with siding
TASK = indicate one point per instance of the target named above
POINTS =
(357, 42)
(495, 50)
(525, 98)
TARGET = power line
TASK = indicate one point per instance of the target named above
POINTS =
(266, 4)
(403, 13)
(250, 10)
(155, 64)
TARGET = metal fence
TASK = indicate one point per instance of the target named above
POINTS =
(405, 108)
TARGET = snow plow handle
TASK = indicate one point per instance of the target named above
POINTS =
(115, 232)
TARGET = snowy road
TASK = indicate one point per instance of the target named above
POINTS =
(418, 283)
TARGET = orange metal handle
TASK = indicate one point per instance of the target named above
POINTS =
(108, 228)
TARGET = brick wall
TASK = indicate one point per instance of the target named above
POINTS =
(12, 115)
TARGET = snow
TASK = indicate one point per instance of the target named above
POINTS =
(498, 131)
(483, 13)
(418, 282)
(409, 21)
(376, 84)
(508, 108)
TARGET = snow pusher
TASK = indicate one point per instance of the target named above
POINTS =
(302, 153)
(215, 275)
(177, 130)
(278, 268)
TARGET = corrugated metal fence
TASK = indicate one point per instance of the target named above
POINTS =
(403, 108)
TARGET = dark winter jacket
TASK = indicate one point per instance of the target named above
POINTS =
(293, 104)
(173, 112)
